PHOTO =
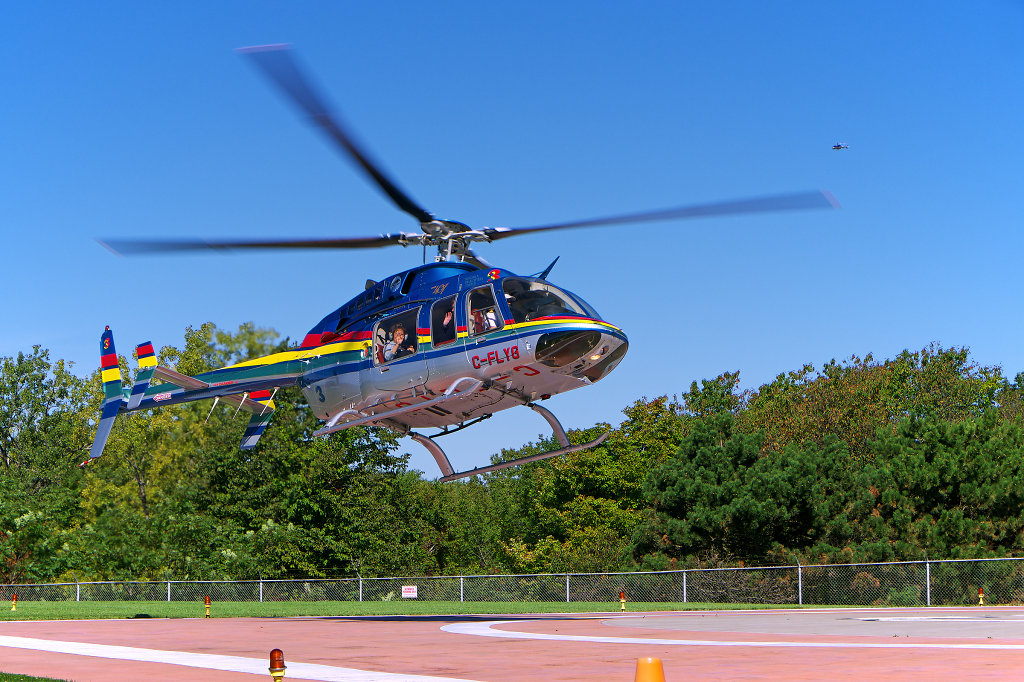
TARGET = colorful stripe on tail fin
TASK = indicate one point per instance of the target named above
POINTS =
(147, 365)
(259, 420)
(110, 373)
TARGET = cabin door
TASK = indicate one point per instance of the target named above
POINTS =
(398, 359)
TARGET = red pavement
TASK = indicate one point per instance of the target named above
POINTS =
(418, 646)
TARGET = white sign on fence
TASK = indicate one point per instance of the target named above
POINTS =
(408, 592)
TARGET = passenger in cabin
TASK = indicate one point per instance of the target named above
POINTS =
(484, 320)
(445, 332)
(483, 314)
(400, 345)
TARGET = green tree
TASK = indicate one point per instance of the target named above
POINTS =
(720, 495)
(951, 489)
(851, 400)
(44, 435)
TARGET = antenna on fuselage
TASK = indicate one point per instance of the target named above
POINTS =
(544, 274)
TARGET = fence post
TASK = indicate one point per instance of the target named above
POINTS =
(566, 588)
(799, 583)
(168, 590)
(78, 592)
(928, 583)
(462, 594)
(684, 587)
(360, 589)
(261, 590)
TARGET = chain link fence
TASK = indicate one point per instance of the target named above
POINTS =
(911, 583)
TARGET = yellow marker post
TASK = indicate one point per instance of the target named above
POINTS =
(622, 601)
(207, 601)
(981, 596)
(14, 602)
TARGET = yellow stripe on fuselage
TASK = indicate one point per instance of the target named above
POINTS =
(288, 355)
(562, 322)
(342, 346)
(148, 362)
(110, 375)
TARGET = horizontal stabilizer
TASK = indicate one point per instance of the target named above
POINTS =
(243, 401)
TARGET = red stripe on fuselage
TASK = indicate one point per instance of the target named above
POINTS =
(313, 340)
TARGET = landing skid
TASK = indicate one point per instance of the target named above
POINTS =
(450, 475)
(455, 391)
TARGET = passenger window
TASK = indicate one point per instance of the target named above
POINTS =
(395, 337)
(483, 313)
(442, 321)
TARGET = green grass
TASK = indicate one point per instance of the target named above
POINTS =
(56, 610)
(11, 677)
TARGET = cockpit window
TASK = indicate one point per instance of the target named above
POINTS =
(530, 298)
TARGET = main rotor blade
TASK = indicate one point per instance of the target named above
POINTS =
(123, 247)
(780, 202)
(473, 259)
(278, 65)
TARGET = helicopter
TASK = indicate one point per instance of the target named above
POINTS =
(443, 345)
(839, 145)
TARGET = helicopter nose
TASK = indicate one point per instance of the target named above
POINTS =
(559, 349)
(588, 355)
(607, 363)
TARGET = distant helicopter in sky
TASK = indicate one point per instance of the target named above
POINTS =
(840, 145)
(441, 346)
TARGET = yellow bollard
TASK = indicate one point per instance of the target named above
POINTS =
(981, 596)
(207, 602)
(14, 602)
(622, 601)
(277, 665)
(649, 670)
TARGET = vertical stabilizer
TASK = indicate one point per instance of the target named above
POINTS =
(147, 365)
(110, 374)
(259, 420)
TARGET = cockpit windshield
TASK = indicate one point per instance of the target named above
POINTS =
(529, 298)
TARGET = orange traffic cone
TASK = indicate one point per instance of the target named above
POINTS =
(649, 670)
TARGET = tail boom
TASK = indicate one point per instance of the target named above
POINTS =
(245, 387)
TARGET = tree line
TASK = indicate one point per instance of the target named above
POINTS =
(918, 456)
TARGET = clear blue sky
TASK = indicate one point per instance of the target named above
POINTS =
(129, 120)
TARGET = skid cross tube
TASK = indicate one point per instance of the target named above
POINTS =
(449, 473)
(525, 460)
